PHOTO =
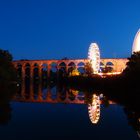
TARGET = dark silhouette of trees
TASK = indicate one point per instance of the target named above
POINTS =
(133, 65)
(7, 92)
(8, 76)
(7, 70)
(5, 55)
(131, 74)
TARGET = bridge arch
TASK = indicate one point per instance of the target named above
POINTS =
(71, 66)
(62, 69)
(19, 70)
(81, 67)
(110, 64)
(109, 67)
(81, 64)
(27, 70)
(44, 71)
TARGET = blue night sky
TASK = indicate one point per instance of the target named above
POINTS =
(53, 29)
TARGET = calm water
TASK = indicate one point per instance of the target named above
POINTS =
(44, 112)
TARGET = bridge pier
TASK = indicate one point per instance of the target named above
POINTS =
(48, 71)
(23, 74)
(32, 74)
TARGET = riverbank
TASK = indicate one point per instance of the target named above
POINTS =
(114, 84)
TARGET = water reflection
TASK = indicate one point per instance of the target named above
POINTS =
(133, 119)
(50, 93)
(7, 92)
(94, 109)
(57, 94)
(44, 93)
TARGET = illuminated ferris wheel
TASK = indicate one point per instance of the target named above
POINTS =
(94, 109)
(94, 57)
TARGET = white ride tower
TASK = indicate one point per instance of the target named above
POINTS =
(136, 42)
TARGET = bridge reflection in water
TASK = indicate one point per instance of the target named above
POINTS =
(38, 93)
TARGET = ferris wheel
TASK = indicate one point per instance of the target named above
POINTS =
(94, 56)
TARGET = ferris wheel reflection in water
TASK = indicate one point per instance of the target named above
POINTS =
(53, 94)
(56, 94)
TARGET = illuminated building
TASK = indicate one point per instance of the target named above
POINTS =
(136, 43)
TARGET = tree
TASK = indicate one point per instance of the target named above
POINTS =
(88, 68)
(5, 55)
(133, 65)
(7, 70)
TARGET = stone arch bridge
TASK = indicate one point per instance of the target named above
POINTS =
(44, 67)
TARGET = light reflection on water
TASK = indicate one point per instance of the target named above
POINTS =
(67, 96)
(75, 113)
